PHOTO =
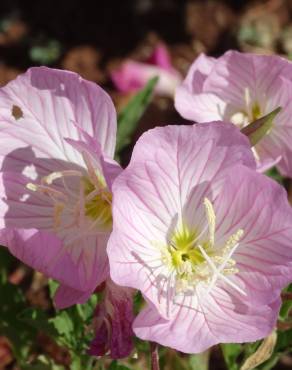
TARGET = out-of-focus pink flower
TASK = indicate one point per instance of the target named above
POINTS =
(241, 88)
(113, 323)
(57, 134)
(206, 238)
(132, 75)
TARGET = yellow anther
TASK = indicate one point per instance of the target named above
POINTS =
(60, 174)
(31, 186)
(233, 240)
(230, 271)
(211, 218)
(52, 177)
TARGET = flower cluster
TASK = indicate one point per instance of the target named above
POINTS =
(191, 223)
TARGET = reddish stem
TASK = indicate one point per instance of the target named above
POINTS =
(286, 296)
(154, 356)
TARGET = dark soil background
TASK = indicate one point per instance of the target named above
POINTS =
(92, 37)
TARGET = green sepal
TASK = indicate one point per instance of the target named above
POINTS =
(257, 129)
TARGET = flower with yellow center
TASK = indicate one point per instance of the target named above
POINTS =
(209, 252)
(195, 258)
(58, 170)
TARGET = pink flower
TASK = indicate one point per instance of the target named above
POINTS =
(206, 238)
(58, 135)
(132, 75)
(240, 88)
(113, 323)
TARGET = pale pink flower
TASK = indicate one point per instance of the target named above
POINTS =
(57, 134)
(241, 88)
(132, 75)
(112, 322)
(206, 238)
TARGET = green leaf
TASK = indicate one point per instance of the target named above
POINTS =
(21, 335)
(256, 130)
(231, 352)
(43, 363)
(284, 341)
(274, 174)
(6, 259)
(116, 366)
(131, 114)
(73, 326)
(47, 53)
(286, 305)
(200, 361)
(53, 286)
(38, 319)
(63, 325)
(85, 311)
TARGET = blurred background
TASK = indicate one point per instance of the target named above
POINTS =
(95, 39)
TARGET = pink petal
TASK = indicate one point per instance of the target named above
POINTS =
(160, 57)
(132, 76)
(219, 319)
(66, 296)
(106, 166)
(235, 80)
(85, 258)
(276, 146)
(190, 101)
(234, 72)
(79, 268)
(198, 73)
(41, 107)
(20, 207)
(222, 92)
(264, 255)
(208, 107)
(22, 212)
(169, 166)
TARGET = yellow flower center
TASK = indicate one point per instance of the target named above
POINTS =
(194, 257)
(98, 202)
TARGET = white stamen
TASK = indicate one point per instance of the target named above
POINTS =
(226, 260)
(206, 264)
(31, 186)
(256, 154)
(45, 189)
(91, 170)
(211, 217)
(217, 272)
(247, 99)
